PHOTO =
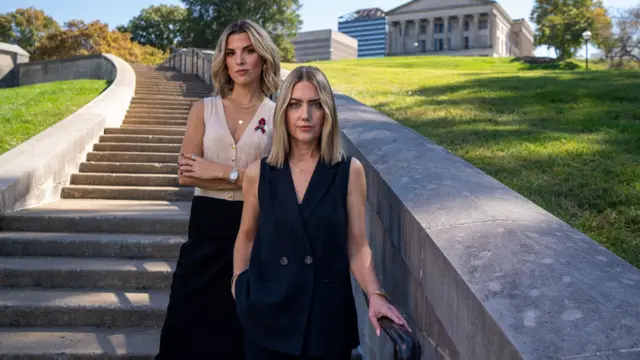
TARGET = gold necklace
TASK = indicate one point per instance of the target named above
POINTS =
(301, 166)
(245, 107)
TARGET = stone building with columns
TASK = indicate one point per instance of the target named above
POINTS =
(457, 27)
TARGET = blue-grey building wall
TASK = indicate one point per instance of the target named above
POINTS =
(371, 35)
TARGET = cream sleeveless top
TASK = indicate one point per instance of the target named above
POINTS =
(219, 145)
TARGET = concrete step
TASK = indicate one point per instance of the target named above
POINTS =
(200, 94)
(104, 192)
(107, 245)
(159, 85)
(124, 179)
(79, 343)
(132, 157)
(163, 123)
(141, 139)
(128, 168)
(93, 273)
(168, 86)
(144, 131)
(176, 101)
(138, 126)
(168, 98)
(66, 308)
(137, 147)
(158, 116)
(102, 216)
(160, 106)
(179, 112)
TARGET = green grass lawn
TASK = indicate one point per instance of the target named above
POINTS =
(27, 110)
(567, 140)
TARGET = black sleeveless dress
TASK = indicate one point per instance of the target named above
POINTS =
(296, 300)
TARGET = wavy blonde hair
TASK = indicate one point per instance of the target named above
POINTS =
(264, 46)
(331, 150)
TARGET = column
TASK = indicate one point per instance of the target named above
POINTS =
(462, 18)
(389, 42)
(474, 31)
(430, 34)
(416, 49)
(446, 33)
(492, 30)
(402, 36)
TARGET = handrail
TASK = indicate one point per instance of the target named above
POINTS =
(405, 345)
(191, 61)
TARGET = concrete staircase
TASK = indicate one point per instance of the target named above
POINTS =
(87, 277)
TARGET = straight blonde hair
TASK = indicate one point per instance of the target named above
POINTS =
(331, 151)
(264, 46)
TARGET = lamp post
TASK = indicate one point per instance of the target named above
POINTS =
(587, 36)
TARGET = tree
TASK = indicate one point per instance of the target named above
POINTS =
(560, 24)
(207, 19)
(624, 44)
(80, 38)
(26, 27)
(159, 26)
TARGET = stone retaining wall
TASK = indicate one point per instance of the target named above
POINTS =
(34, 172)
(482, 272)
(78, 67)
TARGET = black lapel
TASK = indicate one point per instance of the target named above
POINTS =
(287, 193)
(320, 182)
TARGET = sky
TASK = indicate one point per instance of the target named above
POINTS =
(316, 14)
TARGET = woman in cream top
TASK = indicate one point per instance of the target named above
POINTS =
(224, 134)
(220, 146)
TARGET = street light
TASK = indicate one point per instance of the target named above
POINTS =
(587, 36)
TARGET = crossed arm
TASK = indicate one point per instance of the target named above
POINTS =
(200, 172)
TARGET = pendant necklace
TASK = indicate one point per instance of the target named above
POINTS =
(301, 167)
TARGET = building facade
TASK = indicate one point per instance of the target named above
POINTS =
(457, 27)
(369, 27)
(324, 45)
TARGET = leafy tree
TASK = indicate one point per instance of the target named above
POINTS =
(560, 24)
(80, 38)
(159, 26)
(207, 19)
(26, 27)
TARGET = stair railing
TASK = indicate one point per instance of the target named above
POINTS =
(406, 345)
(191, 61)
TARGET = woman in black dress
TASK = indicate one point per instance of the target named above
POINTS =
(225, 133)
(302, 234)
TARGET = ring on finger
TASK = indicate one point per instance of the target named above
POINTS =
(193, 157)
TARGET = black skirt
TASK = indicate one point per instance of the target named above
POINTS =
(201, 321)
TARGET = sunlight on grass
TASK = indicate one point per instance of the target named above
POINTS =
(28, 110)
(567, 140)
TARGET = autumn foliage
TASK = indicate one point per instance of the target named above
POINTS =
(80, 38)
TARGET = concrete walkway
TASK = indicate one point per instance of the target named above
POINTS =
(88, 277)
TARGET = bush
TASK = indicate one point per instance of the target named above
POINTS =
(79, 38)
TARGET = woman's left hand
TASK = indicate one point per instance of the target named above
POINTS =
(379, 307)
(198, 168)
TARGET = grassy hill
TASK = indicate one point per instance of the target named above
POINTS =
(26, 111)
(567, 140)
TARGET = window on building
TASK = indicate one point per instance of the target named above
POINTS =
(466, 25)
(423, 29)
(466, 42)
(442, 28)
(483, 24)
(450, 27)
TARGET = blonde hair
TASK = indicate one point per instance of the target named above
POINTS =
(264, 46)
(330, 147)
